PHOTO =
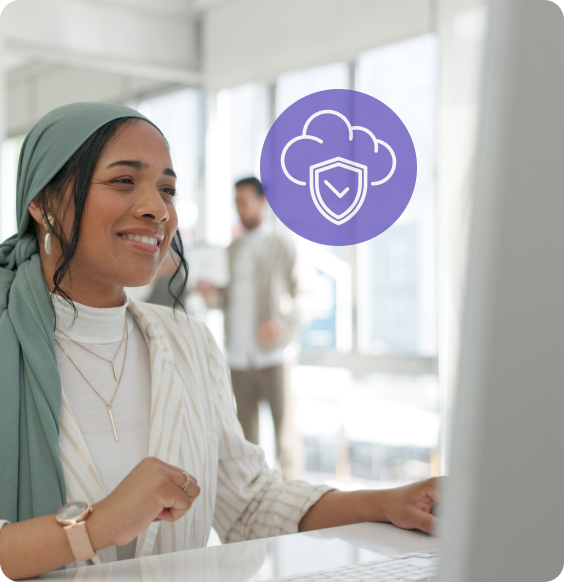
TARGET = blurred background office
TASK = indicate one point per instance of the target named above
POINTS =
(373, 380)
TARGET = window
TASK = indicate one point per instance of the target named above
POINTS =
(293, 86)
(8, 171)
(366, 390)
(237, 124)
(331, 325)
(178, 116)
(367, 430)
(238, 121)
(397, 270)
(366, 386)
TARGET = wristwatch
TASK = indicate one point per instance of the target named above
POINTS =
(72, 517)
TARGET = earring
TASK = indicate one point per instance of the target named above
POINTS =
(48, 225)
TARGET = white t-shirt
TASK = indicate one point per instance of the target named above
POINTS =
(243, 348)
(101, 330)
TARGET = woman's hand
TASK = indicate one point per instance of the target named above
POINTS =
(150, 492)
(410, 506)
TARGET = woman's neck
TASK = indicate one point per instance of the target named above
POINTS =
(90, 293)
(92, 299)
(89, 325)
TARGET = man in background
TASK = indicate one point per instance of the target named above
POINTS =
(262, 318)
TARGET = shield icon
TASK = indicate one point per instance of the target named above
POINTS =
(316, 174)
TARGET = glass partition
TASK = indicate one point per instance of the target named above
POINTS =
(397, 305)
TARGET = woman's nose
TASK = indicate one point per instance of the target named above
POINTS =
(152, 206)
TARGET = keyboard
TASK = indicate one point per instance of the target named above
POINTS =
(414, 567)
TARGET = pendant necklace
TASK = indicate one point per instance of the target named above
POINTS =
(112, 361)
(108, 404)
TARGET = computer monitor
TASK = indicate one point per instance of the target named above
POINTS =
(503, 509)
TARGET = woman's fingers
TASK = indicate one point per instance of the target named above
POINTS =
(410, 506)
(152, 491)
(193, 489)
(178, 477)
(178, 501)
(172, 468)
(432, 488)
(423, 521)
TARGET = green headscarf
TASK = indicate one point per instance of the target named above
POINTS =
(31, 474)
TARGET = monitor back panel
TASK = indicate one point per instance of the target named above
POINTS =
(503, 513)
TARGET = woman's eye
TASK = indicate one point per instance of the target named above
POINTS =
(123, 181)
(169, 191)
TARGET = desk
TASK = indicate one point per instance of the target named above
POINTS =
(261, 560)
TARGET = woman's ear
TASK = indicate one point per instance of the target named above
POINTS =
(35, 210)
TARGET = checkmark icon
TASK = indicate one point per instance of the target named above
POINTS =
(335, 191)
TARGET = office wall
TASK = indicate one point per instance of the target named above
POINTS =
(246, 40)
(59, 51)
(102, 36)
(38, 89)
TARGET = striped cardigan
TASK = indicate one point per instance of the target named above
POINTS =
(193, 425)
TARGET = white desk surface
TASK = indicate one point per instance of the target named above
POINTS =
(261, 560)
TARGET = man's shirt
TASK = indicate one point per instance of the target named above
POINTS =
(243, 348)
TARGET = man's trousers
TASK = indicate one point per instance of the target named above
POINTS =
(273, 385)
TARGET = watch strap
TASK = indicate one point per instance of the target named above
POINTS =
(79, 541)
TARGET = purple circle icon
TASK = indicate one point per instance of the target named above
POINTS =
(338, 167)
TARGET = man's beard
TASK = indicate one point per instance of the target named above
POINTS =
(251, 224)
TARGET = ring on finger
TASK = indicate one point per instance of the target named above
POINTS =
(185, 486)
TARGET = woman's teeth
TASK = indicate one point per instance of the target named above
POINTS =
(148, 240)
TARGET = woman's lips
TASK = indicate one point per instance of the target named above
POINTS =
(143, 243)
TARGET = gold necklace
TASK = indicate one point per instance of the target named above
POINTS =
(108, 404)
(111, 362)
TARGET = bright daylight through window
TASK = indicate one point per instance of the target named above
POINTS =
(366, 390)
(365, 383)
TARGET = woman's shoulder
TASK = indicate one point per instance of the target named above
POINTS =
(176, 324)
(180, 339)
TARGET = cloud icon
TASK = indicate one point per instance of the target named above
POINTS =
(351, 129)
(328, 173)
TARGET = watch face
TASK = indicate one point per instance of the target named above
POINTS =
(72, 511)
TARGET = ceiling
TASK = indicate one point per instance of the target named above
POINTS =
(137, 37)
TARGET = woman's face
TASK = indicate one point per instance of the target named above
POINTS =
(129, 218)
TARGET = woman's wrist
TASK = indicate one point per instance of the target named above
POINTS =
(346, 507)
(99, 528)
(368, 505)
(379, 506)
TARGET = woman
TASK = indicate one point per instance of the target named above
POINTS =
(121, 405)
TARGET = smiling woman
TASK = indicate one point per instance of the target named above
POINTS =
(126, 156)
(167, 459)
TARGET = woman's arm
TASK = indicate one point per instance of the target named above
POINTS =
(408, 507)
(253, 501)
(35, 546)
(150, 492)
